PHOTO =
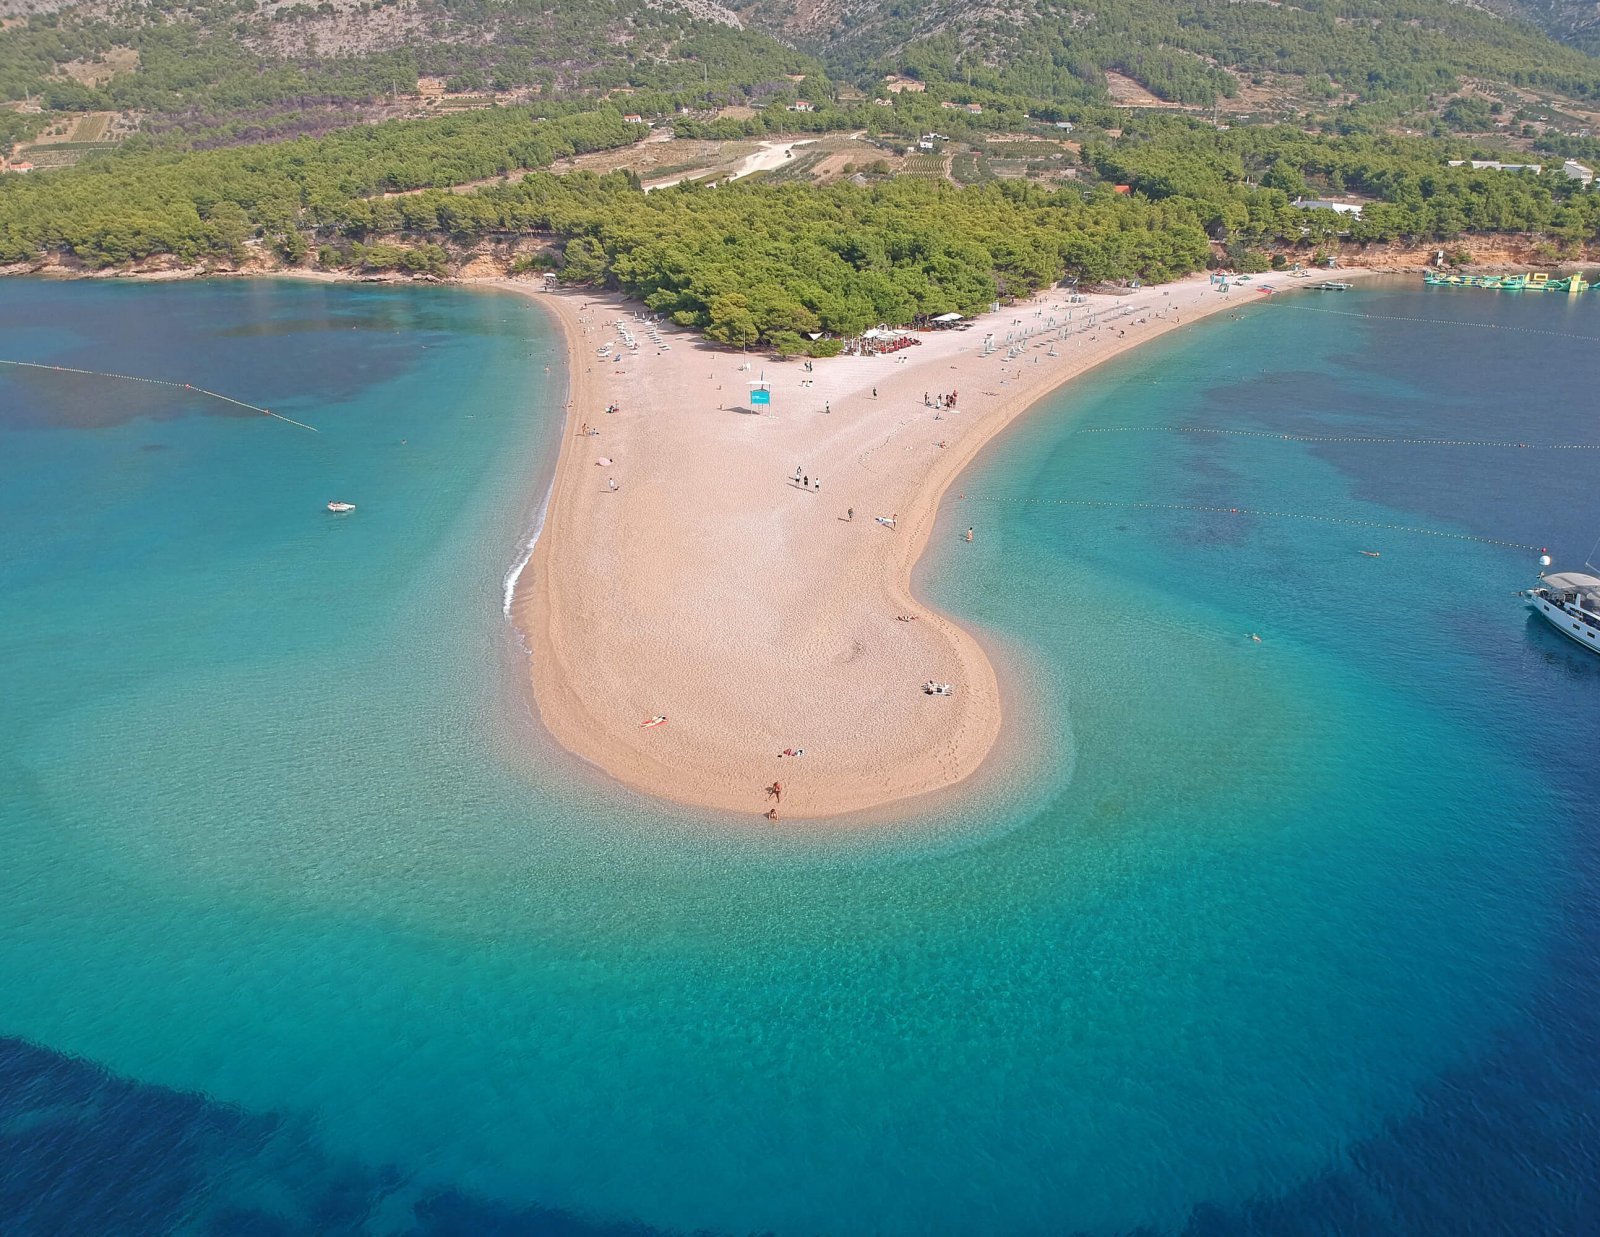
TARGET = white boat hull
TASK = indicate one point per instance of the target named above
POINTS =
(1572, 628)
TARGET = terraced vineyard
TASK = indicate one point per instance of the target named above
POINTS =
(63, 154)
(92, 127)
(930, 167)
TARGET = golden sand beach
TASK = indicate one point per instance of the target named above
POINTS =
(684, 573)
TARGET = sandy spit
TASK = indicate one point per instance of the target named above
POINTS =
(750, 610)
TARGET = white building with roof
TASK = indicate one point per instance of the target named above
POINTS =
(1494, 165)
(1353, 209)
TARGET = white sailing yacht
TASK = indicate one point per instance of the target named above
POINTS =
(1570, 602)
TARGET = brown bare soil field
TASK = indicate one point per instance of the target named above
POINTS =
(657, 160)
(1125, 92)
(832, 167)
(99, 72)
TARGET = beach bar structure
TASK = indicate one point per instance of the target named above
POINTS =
(879, 340)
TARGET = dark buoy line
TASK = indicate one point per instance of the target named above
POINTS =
(162, 382)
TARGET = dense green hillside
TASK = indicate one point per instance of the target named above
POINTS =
(1056, 49)
(202, 62)
(210, 72)
(753, 261)
(1131, 192)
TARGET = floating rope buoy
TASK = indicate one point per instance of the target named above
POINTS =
(161, 382)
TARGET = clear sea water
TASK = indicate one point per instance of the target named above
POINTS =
(305, 928)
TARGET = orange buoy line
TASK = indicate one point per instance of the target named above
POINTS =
(1279, 515)
(162, 382)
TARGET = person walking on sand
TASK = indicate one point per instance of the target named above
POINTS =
(775, 791)
(827, 406)
(805, 483)
(849, 513)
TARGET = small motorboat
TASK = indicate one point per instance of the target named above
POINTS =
(341, 508)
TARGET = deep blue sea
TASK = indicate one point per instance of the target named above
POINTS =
(306, 928)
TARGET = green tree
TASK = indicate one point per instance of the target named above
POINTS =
(786, 343)
(731, 321)
(584, 261)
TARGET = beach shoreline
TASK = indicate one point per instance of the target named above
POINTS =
(710, 589)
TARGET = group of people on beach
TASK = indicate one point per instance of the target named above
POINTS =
(805, 481)
(941, 401)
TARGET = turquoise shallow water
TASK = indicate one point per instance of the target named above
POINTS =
(304, 927)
